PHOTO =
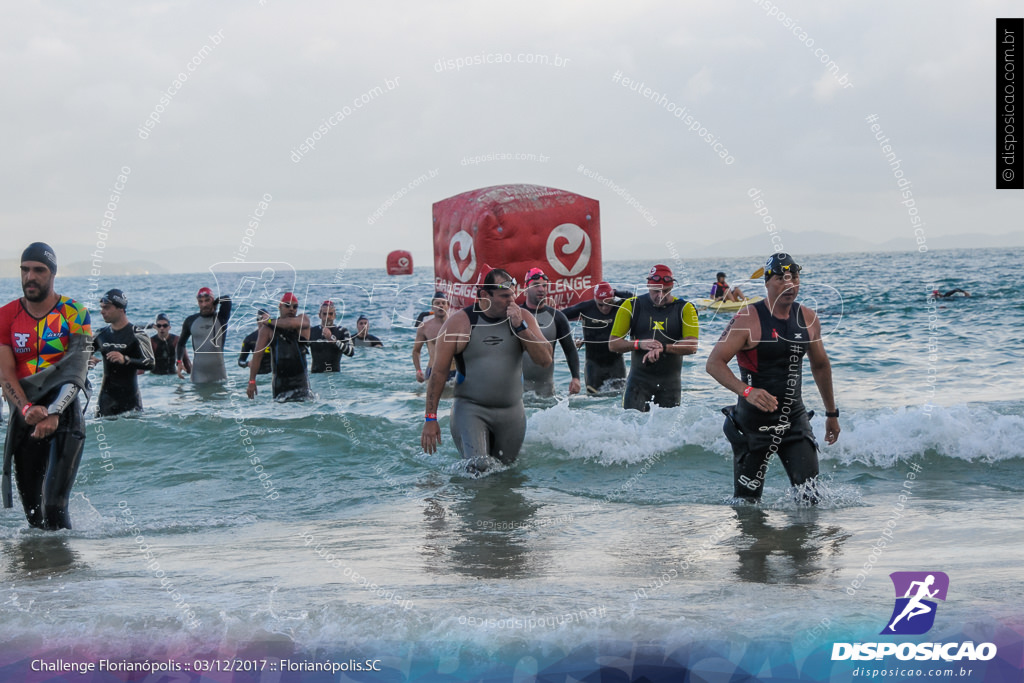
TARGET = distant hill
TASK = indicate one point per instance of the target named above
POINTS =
(10, 268)
(75, 260)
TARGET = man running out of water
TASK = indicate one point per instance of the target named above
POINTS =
(769, 340)
(487, 341)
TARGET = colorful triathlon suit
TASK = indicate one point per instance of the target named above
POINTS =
(326, 353)
(660, 381)
(208, 334)
(488, 418)
(602, 364)
(119, 392)
(775, 365)
(51, 356)
(555, 328)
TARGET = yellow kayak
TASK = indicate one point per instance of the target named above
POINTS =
(724, 306)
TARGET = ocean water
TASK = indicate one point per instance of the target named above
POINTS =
(611, 544)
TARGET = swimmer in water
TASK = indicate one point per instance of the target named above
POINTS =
(597, 316)
(164, 345)
(487, 341)
(328, 342)
(363, 336)
(769, 340)
(208, 330)
(664, 329)
(427, 332)
(125, 349)
(555, 326)
(285, 337)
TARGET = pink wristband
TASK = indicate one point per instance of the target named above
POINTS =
(25, 408)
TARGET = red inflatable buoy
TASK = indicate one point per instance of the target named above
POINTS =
(518, 227)
(399, 263)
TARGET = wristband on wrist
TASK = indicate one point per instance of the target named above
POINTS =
(25, 408)
(430, 417)
(834, 413)
(522, 327)
(252, 381)
(636, 345)
(746, 392)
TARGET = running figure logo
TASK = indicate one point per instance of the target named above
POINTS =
(914, 612)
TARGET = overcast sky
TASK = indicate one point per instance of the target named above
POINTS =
(81, 78)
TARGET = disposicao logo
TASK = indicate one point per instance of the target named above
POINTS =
(914, 614)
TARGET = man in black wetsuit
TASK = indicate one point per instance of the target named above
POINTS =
(769, 340)
(208, 330)
(164, 344)
(249, 347)
(597, 316)
(285, 337)
(363, 336)
(125, 350)
(664, 329)
(327, 342)
(555, 326)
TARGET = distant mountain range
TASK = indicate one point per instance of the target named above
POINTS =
(75, 260)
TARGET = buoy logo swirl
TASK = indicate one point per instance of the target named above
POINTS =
(466, 251)
(575, 238)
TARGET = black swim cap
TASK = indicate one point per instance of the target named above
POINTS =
(41, 252)
(115, 297)
(780, 263)
(162, 316)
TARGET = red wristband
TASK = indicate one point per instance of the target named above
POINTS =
(430, 417)
(252, 381)
(746, 392)
(636, 345)
(25, 408)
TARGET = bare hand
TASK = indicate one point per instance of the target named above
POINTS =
(652, 356)
(116, 357)
(45, 427)
(250, 390)
(180, 369)
(35, 415)
(420, 377)
(430, 439)
(831, 430)
(762, 400)
(574, 386)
